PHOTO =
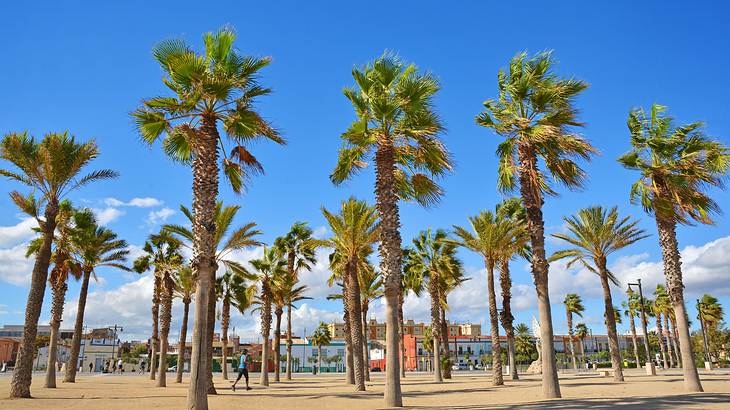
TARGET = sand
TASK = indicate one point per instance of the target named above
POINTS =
(465, 391)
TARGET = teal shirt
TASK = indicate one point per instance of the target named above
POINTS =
(242, 362)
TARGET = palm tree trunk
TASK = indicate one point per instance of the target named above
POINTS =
(390, 261)
(675, 336)
(349, 362)
(265, 330)
(497, 378)
(583, 350)
(435, 329)
(660, 337)
(319, 359)
(353, 294)
(73, 361)
(505, 282)
(167, 288)
(673, 275)
(445, 343)
(205, 193)
(613, 346)
(401, 334)
(668, 340)
(181, 344)
(532, 198)
(365, 350)
(277, 344)
(23, 373)
(212, 300)
(155, 325)
(571, 341)
(59, 295)
(289, 342)
(225, 319)
(634, 340)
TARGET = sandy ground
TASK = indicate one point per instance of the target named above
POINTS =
(465, 391)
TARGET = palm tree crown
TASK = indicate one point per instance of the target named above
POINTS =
(394, 107)
(677, 165)
(220, 85)
(574, 304)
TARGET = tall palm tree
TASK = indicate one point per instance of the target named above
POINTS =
(51, 168)
(285, 292)
(354, 231)
(632, 308)
(488, 236)
(447, 284)
(595, 233)
(371, 289)
(677, 166)
(321, 337)
(711, 309)
(432, 257)
(581, 332)
(523, 340)
(270, 267)
(227, 288)
(666, 307)
(398, 128)
(515, 244)
(162, 255)
(217, 87)
(65, 265)
(341, 280)
(535, 114)
(573, 306)
(659, 307)
(226, 241)
(96, 247)
(299, 246)
(184, 290)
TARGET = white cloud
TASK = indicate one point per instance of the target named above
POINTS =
(107, 215)
(159, 216)
(320, 232)
(18, 233)
(15, 268)
(146, 202)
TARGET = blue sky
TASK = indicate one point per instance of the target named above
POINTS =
(84, 67)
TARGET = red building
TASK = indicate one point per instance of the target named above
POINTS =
(9, 347)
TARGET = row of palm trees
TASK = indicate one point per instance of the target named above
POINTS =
(398, 129)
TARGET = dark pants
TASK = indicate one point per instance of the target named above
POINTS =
(242, 372)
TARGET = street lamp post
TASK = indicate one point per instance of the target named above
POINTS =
(650, 369)
(708, 362)
(114, 342)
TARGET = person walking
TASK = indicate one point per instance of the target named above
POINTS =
(120, 366)
(242, 369)
(141, 367)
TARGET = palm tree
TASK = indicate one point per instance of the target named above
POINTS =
(660, 305)
(65, 265)
(51, 168)
(285, 292)
(227, 287)
(427, 343)
(535, 114)
(573, 306)
(162, 255)
(709, 311)
(217, 87)
(410, 282)
(96, 247)
(342, 280)
(184, 290)
(354, 231)
(433, 258)
(397, 126)
(677, 166)
(581, 332)
(515, 244)
(321, 337)
(299, 246)
(270, 267)
(489, 235)
(371, 288)
(226, 243)
(595, 233)
(666, 307)
(523, 341)
(631, 310)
